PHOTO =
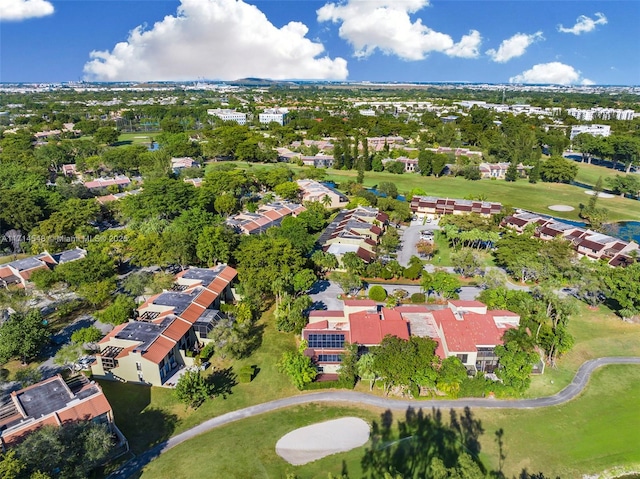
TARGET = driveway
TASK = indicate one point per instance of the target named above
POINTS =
(324, 295)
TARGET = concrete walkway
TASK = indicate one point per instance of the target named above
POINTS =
(579, 382)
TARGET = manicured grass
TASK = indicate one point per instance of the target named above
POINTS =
(139, 138)
(597, 333)
(589, 174)
(9, 258)
(595, 432)
(520, 194)
(137, 407)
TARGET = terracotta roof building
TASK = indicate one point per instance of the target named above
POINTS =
(52, 402)
(19, 272)
(357, 231)
(154, 346)
(431, 206)
(465, 329)
(267, 216)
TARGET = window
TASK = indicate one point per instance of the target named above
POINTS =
(329, 358)
(326, 341)
(139, 366)
(463, 357)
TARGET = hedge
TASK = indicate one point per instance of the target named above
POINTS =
(418, 298)
(377, 293)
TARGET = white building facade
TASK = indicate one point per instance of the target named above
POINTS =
(229, 115)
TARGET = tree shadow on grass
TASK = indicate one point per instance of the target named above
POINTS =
(222, 382)
(423, 444)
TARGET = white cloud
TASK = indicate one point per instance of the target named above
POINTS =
(386, 25)
(584, 24)
(513, 47)
(215, 39)
(554, 73)
(16, 10)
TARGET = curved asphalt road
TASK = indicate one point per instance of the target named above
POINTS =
(571, 391)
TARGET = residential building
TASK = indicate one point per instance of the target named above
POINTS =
(465, 329)
(499, 170)
(315, 191)
(178, 164)
(53, 402)
(229, 115)
(19, 272)
(410, 164)
(116, 196)
(318, 161)
(368, 112)
(456, 152)
(121, 181)
(587, 243)
(377, 143)
(168, 329)
(359, 323)
(599, 113)
(432, 207)
(593, 130)
(264, 218)
(197, 182)
(278, 115)
(357, 231)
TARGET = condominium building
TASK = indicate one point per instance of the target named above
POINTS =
(53, 402)
(19, 272)
(169, 328)
(315, 191)
(277, 115)
(431, 206)
(264, 218)
(594, 130)
(229, 115)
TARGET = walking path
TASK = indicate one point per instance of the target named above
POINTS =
(579, 382)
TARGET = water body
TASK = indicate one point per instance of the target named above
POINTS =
(332, 184)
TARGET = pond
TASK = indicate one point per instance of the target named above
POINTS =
(332, 184)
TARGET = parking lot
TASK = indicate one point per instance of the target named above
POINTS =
(410, 237)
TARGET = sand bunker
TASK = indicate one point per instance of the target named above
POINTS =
(319, 440)
(561, 208)
(600, 195)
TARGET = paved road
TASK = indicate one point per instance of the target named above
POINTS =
(579, 382)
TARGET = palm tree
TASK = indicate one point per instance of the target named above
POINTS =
(326, 201)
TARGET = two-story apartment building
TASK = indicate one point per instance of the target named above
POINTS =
(357, 230)
(315, 191)
(432, 207)
(54, 402)
(264, 218)
(465, 329)
(19, 272)
(169, 327)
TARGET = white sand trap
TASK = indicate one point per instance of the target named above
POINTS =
(561, 208)
(600, 195)
(319, 440)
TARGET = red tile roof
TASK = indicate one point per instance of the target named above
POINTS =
(205, 298)
(228, 274)
(369, 329)
(192, 313)
(177, 329)
(158, 350)
(359, 302)
(326, 314)
(318, 325)
(463, 335)
(458, 303)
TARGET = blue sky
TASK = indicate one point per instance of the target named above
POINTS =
(566, 42)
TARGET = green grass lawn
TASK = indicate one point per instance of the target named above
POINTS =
(147, 415)
(589, 174)
(595, 432)
(597, 333)
(138, 138)
(520, 194)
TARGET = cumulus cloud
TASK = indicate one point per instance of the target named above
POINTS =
(584, 24)
(16, 10)
(554, 73)
(386, 25)
(514, 47)
(215, 39)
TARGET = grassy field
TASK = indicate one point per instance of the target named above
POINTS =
(138, 138)
(147, 415)
(521, 194)
(589, 174)
(597, 333)
(597, 431)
